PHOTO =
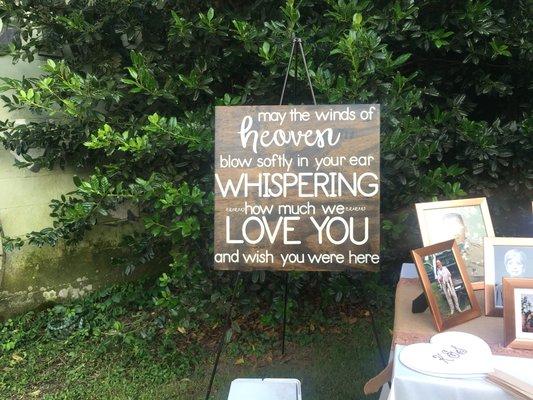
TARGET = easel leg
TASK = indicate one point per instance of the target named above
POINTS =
(283, 328)
(376, 336)
(284, 313)
(378, 342)
(223, 336)
(374, 330)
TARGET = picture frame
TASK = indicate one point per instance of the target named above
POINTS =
(504, 257)
(468, 221)
(447, 287)
(518, 312)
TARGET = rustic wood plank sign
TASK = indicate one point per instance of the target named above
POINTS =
(297, 187)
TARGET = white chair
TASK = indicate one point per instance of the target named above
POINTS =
(265, 389)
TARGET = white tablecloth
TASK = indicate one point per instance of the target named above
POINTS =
(411, 385)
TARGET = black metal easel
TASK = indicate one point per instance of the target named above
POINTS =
(284, 327)
(295, 42)
(223, 335)
(376, 336)
(372, 324)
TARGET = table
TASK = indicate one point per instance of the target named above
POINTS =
(410, 385)
(415, 328)
(265, 389)
(407, 384)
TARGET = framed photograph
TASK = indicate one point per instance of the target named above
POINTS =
(518, 312)
(467, 221)
(504, 258)
(446, 284)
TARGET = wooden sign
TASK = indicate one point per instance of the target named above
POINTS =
(297, 187)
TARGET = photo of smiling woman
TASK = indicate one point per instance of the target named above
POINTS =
(505, 258)
(515, 262)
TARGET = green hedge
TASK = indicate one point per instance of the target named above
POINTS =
(132, 88)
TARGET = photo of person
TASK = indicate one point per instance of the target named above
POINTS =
(444, 277)
(513, 264)
(466, 221)
(449, 292)
(518, 312)
(446, 283)
(526, 308)
(470, 242)
(505, 257)
(523, 312)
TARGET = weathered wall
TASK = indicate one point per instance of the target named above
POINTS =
(32, 276)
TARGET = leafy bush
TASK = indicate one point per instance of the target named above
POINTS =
(131, 86)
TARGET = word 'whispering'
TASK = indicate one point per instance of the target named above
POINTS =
(307, 184)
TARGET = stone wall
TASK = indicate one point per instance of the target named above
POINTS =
(33, 276)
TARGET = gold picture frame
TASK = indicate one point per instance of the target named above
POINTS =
(518, 322)
(451, 214)
(494, 299)
(455, 290)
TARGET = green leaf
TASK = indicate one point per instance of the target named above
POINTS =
(154, 118)
(210, 14)
(402, 59)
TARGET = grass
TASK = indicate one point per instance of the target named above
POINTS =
(329, 365)
(127, 348)
(332, 364)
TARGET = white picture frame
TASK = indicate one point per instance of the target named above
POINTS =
(492, 304)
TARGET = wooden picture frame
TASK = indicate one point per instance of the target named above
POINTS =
(493, 289)
(513, 289)
(471, 243)
(434, 289)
